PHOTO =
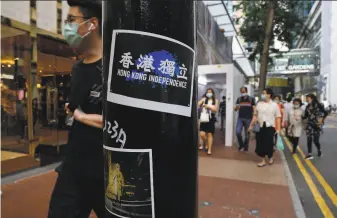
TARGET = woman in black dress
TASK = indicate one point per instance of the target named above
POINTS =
(209, 105)
(315, 113)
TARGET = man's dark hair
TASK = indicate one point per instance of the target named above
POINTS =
(223, 97)
(245, 88)
(89, 9)
(269, 91)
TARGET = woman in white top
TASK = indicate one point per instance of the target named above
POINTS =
(209, 105)
(265, 115)
(295, 123)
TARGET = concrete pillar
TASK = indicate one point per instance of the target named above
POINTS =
(150, 117)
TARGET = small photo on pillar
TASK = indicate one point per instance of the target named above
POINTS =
(128, 179)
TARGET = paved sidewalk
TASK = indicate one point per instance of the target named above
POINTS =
(230, 185)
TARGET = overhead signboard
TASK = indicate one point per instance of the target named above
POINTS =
(295, 67)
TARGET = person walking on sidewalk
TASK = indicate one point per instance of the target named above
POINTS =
(265, 115)
(287, 108)
(222, 111)
(79, 187)
(315, 115)
(209, 105)
(245, 105)
(295, 123)
(284, 117)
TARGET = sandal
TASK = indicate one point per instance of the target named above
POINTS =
(209, 153)
(271, 161)
(261, 164)
(201, 147)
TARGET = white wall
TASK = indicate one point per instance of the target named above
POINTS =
(16, 10)
(333, 73)
(329, 48)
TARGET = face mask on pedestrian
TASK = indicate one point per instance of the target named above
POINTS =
(263, 97)
(71, 33)
(296, 106)
(277, 101)
(209, 95)
(244, 94)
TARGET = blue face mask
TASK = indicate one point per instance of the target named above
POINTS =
(263, 97)
(71, 35)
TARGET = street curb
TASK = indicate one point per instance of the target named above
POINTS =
(28, 174)
(299, 211)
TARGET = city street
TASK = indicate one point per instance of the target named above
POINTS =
(316, 180)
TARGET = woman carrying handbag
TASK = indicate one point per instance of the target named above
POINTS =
(207, 119)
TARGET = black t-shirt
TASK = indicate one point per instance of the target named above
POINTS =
(85, 152)
(246, 104)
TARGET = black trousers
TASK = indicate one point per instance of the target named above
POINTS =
(294, 141)
(75, 196)
(223, 117)
(316, 142)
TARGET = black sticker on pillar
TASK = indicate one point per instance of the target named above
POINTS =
(128, 175)
(150, 71)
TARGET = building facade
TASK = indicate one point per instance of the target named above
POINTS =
(322, 32)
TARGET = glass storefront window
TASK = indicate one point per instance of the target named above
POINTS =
(15, 65)
(55, 60)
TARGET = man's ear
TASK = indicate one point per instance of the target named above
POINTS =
(94, 24)
(91, 27)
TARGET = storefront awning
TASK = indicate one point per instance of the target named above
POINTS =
(221, 15)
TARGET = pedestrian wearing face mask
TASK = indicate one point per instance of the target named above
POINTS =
(295, 123)
(80, 184)
(284, 120)
(209, 105)
(315, 115)
(265, 115)
(245, 105)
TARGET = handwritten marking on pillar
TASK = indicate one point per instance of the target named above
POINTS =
(114, 132)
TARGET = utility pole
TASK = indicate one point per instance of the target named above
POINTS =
(150, 130)
(266, 44)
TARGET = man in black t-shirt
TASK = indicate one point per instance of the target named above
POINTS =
(246, 106)
(222, 111)
(80, 184)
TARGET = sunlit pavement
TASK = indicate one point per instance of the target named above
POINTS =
(230, 185)
(321, 171)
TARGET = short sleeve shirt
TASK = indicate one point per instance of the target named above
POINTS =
(246, 104)
(85, 142)
(267, 112)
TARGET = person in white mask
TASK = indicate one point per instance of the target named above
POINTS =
(209, 106)
(245, 105)
(295, 123)
(79, 187)
(265, 115)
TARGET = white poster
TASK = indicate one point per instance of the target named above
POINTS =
(16, 10)
(46, 15)
(65, 9)
(128, 178)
